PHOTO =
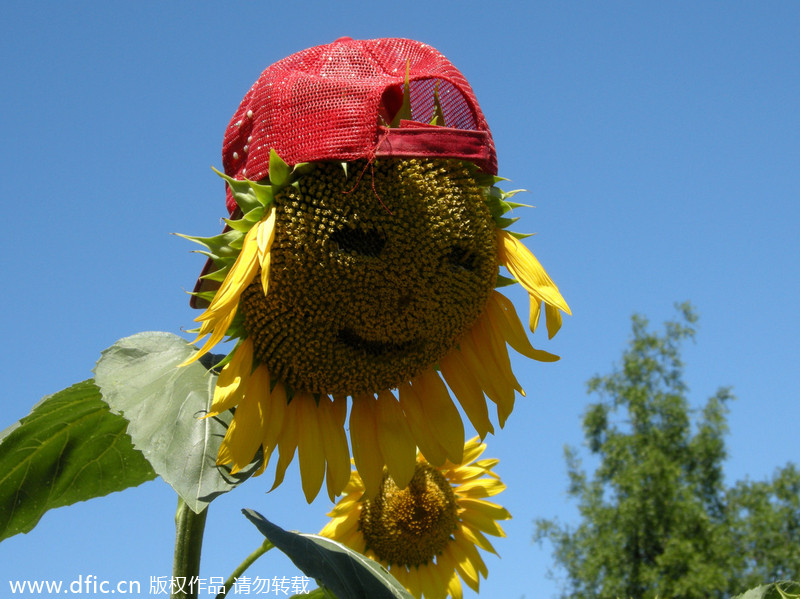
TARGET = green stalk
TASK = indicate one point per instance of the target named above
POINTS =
(248, 561)
(188, 544)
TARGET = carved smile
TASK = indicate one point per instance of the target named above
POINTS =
(374, 348)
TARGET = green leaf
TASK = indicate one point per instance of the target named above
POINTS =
(347, 573)
(279, 171)
(438, 113)
(164, 405)
(404, 114)
(777, 590)
(70, 448)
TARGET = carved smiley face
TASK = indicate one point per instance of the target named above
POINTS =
(372, 279)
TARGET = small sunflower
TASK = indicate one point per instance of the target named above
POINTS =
(380, 292)
(428, 533)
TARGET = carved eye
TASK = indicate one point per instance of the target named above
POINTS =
(463, 258)
(365, 242)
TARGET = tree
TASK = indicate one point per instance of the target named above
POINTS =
(656, 517)
(766, 522)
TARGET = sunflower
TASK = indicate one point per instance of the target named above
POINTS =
(428, 533)
(379, 294)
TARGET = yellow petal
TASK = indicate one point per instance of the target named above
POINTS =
(477, 353)
(277, 411)
(465, 568)
(220, 328)
(430, 584)
(473, 449)
(486, 508)
(553, 318)
(467, 391)
(454, 587)
(220, 312)
(482, 487)
(441, 412)
(310, 449)
(233, 379)
(332, 414)
(535, 313)
(521, 263)
(477, 538)
(287, 442)
(265, 273)
(363, 437)
(471, 552)
(424, 437)
(238, 278)
(244, 433)
(395, 440)
(446, 563)
(486, 335)
(504, 318)
(482, 521)
(266, 234)
(408, 578)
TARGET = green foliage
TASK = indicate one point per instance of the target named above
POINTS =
(70, 448)
(775, 590)
(164, 405)
(766, 522)
(343, 571)
(656, 519)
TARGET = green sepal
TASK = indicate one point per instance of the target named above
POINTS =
(485, 179)
(279, 171)
(248, 194)
(517, 204)
(521, 235)
(512, 193)
(502, 223)
(504, 281)
(303, 168)
(218, 245)
(236, 329)
(217, 275)
(219, 261)
(219, 365)
(246, 222)
(241, 225)
(404, 114)
(438, 113)
(203, 295)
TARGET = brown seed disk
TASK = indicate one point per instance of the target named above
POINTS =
(410, 526)
(368, 287)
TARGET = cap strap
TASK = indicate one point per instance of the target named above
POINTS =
(419, 140)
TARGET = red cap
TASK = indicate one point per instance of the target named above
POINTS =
(334, 102)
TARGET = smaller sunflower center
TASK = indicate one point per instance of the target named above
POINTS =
(410, 526)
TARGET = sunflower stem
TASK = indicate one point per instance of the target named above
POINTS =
(189, 529)
(248, 561)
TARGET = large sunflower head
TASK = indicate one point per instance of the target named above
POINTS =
(371, 281)
(428, 533)
(365, 279)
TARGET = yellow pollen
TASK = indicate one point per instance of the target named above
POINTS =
(410, 526)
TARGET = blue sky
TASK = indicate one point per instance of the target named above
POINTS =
(659, 142)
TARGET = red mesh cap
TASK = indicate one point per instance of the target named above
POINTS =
(334, 102)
